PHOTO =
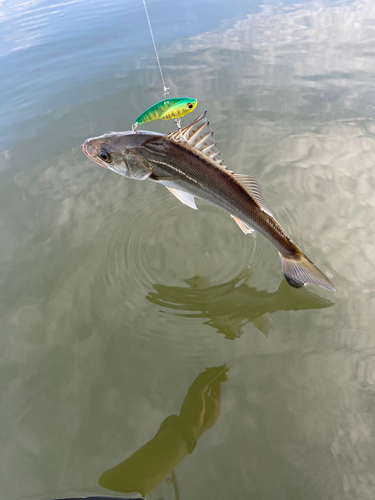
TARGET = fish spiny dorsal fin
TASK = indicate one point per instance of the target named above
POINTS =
(252, 186)
(200, 137)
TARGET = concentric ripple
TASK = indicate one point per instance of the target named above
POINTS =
(157, 240)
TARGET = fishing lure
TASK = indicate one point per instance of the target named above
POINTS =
(167, 109)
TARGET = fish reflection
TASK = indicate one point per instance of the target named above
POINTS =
(229, 306)
(100, 498)
(177, 437)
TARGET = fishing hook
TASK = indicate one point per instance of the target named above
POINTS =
(178, 123)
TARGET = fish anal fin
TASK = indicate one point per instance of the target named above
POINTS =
(185, 198)
(244, 227)
(253, 187)
(263, 323)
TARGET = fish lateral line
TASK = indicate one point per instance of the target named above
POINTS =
(194, 169)
(182, 174)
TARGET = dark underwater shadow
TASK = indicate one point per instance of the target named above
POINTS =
(176, 438)
(231, 305)
(99, 498)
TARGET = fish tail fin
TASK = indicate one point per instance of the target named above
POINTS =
(298, 270)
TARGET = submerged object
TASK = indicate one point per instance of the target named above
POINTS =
(167, 109)
(187, 162)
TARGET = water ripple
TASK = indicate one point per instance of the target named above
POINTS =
(145, 244)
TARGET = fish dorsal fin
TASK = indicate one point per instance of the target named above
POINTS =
(252, 186)
(199, 137)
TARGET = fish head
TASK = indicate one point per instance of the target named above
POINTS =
(119, 151)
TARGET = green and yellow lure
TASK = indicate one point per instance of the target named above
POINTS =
(167, 109)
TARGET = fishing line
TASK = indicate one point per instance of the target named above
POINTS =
(167, 109)
(166, 93)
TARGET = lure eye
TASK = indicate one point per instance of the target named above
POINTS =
(104, 155)
(189, 105)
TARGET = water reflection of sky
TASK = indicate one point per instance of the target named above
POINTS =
(31, 22)
(50, 48)
(89, 367)
(42, 52)
(316, 47)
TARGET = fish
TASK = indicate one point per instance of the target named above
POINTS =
(229, 306)
(188, 163)
(167, 109)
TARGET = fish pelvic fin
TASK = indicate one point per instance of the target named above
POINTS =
(299, 270)
(183, 196)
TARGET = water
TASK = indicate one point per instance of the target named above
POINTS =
(115, 297)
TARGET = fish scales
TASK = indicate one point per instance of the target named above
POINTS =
(214, 185)
(187, 162)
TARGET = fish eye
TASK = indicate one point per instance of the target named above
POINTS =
(104, 155)
(189, 105)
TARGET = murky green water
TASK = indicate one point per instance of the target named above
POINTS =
(115, 297)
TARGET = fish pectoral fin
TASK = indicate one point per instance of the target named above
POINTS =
(184, 197)
(245, 227)
(263, 323)
(252, 186)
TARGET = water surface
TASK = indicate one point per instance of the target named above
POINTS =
(115, 297)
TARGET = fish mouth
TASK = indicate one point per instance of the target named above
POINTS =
(83, 149)
(91, 157)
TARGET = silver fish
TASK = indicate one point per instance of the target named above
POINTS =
(188, 164)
